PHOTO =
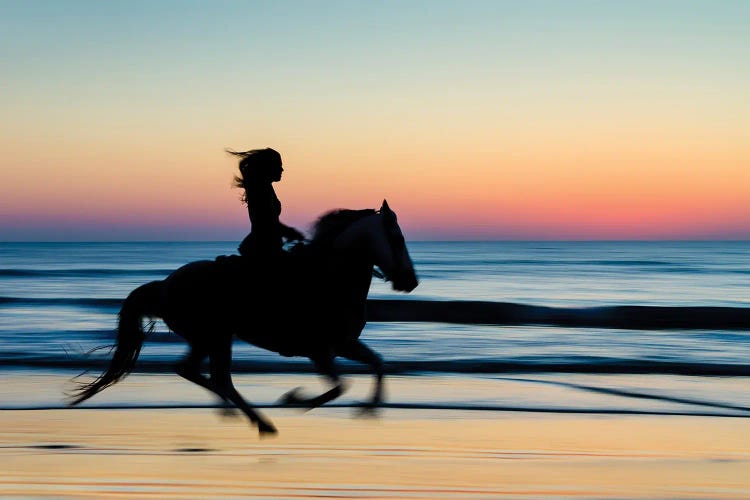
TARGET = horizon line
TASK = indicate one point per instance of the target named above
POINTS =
(419, 240)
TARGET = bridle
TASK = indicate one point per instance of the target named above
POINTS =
(394, 238)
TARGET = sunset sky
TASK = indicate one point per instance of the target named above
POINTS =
(474, 119)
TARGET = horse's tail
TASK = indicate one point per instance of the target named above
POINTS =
(144, 301)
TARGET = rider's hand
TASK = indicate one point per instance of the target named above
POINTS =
(294, 235)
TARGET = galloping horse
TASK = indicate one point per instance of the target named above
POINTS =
(320, 317)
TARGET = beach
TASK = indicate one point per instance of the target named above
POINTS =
(402, 454)
(558, 398)
(181, 449)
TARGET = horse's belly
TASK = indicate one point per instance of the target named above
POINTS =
(287, 342)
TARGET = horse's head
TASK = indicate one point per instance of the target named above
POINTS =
(373, 235)
(390, 252)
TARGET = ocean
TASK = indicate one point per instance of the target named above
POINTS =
(59, 301)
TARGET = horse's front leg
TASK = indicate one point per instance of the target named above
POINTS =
(325, 366)
(358, 351)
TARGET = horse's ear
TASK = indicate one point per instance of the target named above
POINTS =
(385, 206)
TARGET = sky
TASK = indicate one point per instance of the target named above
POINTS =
(476, 120)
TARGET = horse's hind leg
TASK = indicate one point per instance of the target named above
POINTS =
(221, 378)
(325, 366)
(190, 369)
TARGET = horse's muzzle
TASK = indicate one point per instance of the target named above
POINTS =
(405, 282)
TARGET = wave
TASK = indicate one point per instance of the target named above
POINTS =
(469, 263)
(506, 313)
(550, 262)
(81, 273)
(63, 301)
(450, 267)
(581, 365)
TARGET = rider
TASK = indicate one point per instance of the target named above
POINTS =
(259, 169)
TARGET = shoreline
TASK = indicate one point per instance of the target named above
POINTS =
(561, 393)
(393, 406)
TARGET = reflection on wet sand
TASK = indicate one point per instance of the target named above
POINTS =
(195, 453)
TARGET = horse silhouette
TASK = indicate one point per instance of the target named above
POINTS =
(312, 305)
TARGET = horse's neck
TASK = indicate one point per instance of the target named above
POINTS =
(342, 274)
(348, 277)
(352, 258)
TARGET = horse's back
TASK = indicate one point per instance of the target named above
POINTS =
(195, 295)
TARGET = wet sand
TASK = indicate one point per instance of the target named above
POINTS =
(195, 453)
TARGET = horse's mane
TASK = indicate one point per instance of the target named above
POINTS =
(332, 223)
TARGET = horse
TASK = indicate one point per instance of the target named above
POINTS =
(320, 317)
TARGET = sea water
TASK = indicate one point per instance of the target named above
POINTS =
(58, 301)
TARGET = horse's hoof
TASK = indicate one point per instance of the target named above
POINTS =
(292, 398)
(266, 429)
(368, 411)
(229, 412)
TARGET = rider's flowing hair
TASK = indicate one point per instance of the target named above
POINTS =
(252, 164)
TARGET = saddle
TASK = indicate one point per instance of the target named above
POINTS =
(267, 279)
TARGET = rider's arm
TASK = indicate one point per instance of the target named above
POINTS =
(291, 233)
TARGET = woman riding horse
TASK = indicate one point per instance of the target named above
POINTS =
(322, 319)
